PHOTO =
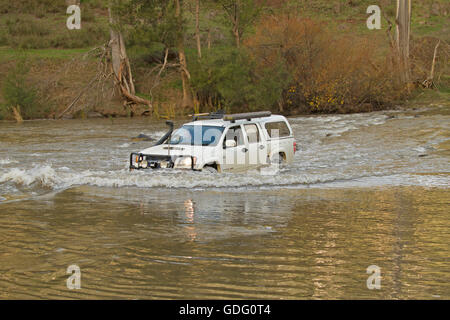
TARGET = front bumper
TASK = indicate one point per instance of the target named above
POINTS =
(140, 161)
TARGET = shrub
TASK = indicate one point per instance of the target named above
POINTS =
(87, 36)
(33, 6)
(26, 34)
(17, 93)
(68, 39)
(422, 53)
(221, 77)
(230, 77)
(329, 72)
(21, 27)
(28, 42)
(3, 38)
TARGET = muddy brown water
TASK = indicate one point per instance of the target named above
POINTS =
(364, 189)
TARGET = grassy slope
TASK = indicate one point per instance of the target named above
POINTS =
(339, 14)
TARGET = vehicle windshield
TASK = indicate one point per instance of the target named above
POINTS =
(197, 135)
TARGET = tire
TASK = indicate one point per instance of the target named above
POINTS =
(277, 158)
(209, 169)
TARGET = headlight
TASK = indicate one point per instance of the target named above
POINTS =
(184, 162)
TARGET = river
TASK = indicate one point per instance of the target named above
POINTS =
(364, 189)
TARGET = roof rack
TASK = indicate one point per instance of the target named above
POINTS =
(231, 117)
(208, 116)
(246, 116)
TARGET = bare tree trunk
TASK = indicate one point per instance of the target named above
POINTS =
(17, 115)
(237, 37)
(122, 68)
(236, 24)
(434, 60)
(197, 28)
(280, 106)
(403, 36)
(429, 82)
(233, 11)
(209, 39)
(187, 95)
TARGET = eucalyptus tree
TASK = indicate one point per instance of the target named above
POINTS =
(240, 15)
(158, 22)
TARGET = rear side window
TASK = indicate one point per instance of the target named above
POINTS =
(252, 133)
(281, 126)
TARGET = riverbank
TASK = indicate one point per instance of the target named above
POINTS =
(434, 101)
(47, 69)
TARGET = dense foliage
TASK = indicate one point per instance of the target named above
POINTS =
(288, 56)
(18, 93)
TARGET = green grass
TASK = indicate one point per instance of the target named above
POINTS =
(49, 30)
(427, 97)
(424, 23)
(8, 54)
(351, 18)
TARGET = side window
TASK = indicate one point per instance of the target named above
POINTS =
(252, 132)
(235, 133)
(281, 126)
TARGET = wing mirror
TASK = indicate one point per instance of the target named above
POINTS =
(175, 140)
(230, 144)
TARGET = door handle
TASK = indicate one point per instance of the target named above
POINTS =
(261, 146)
(244, 150)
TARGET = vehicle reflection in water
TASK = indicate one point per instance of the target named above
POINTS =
(190, 227)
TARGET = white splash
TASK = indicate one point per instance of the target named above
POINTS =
(61, 179)
(45, 176)
(6, 161)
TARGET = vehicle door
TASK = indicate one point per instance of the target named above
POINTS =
(280, 139)
(235, 151)
(256, 145)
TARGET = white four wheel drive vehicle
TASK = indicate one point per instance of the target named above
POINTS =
(218, 142)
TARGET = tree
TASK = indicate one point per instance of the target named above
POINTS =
(121, 65)
(185, 76)
(20, 98)
(241, 14)
(159, 22)
(403, 35)
(232, 78)
(197, 28)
